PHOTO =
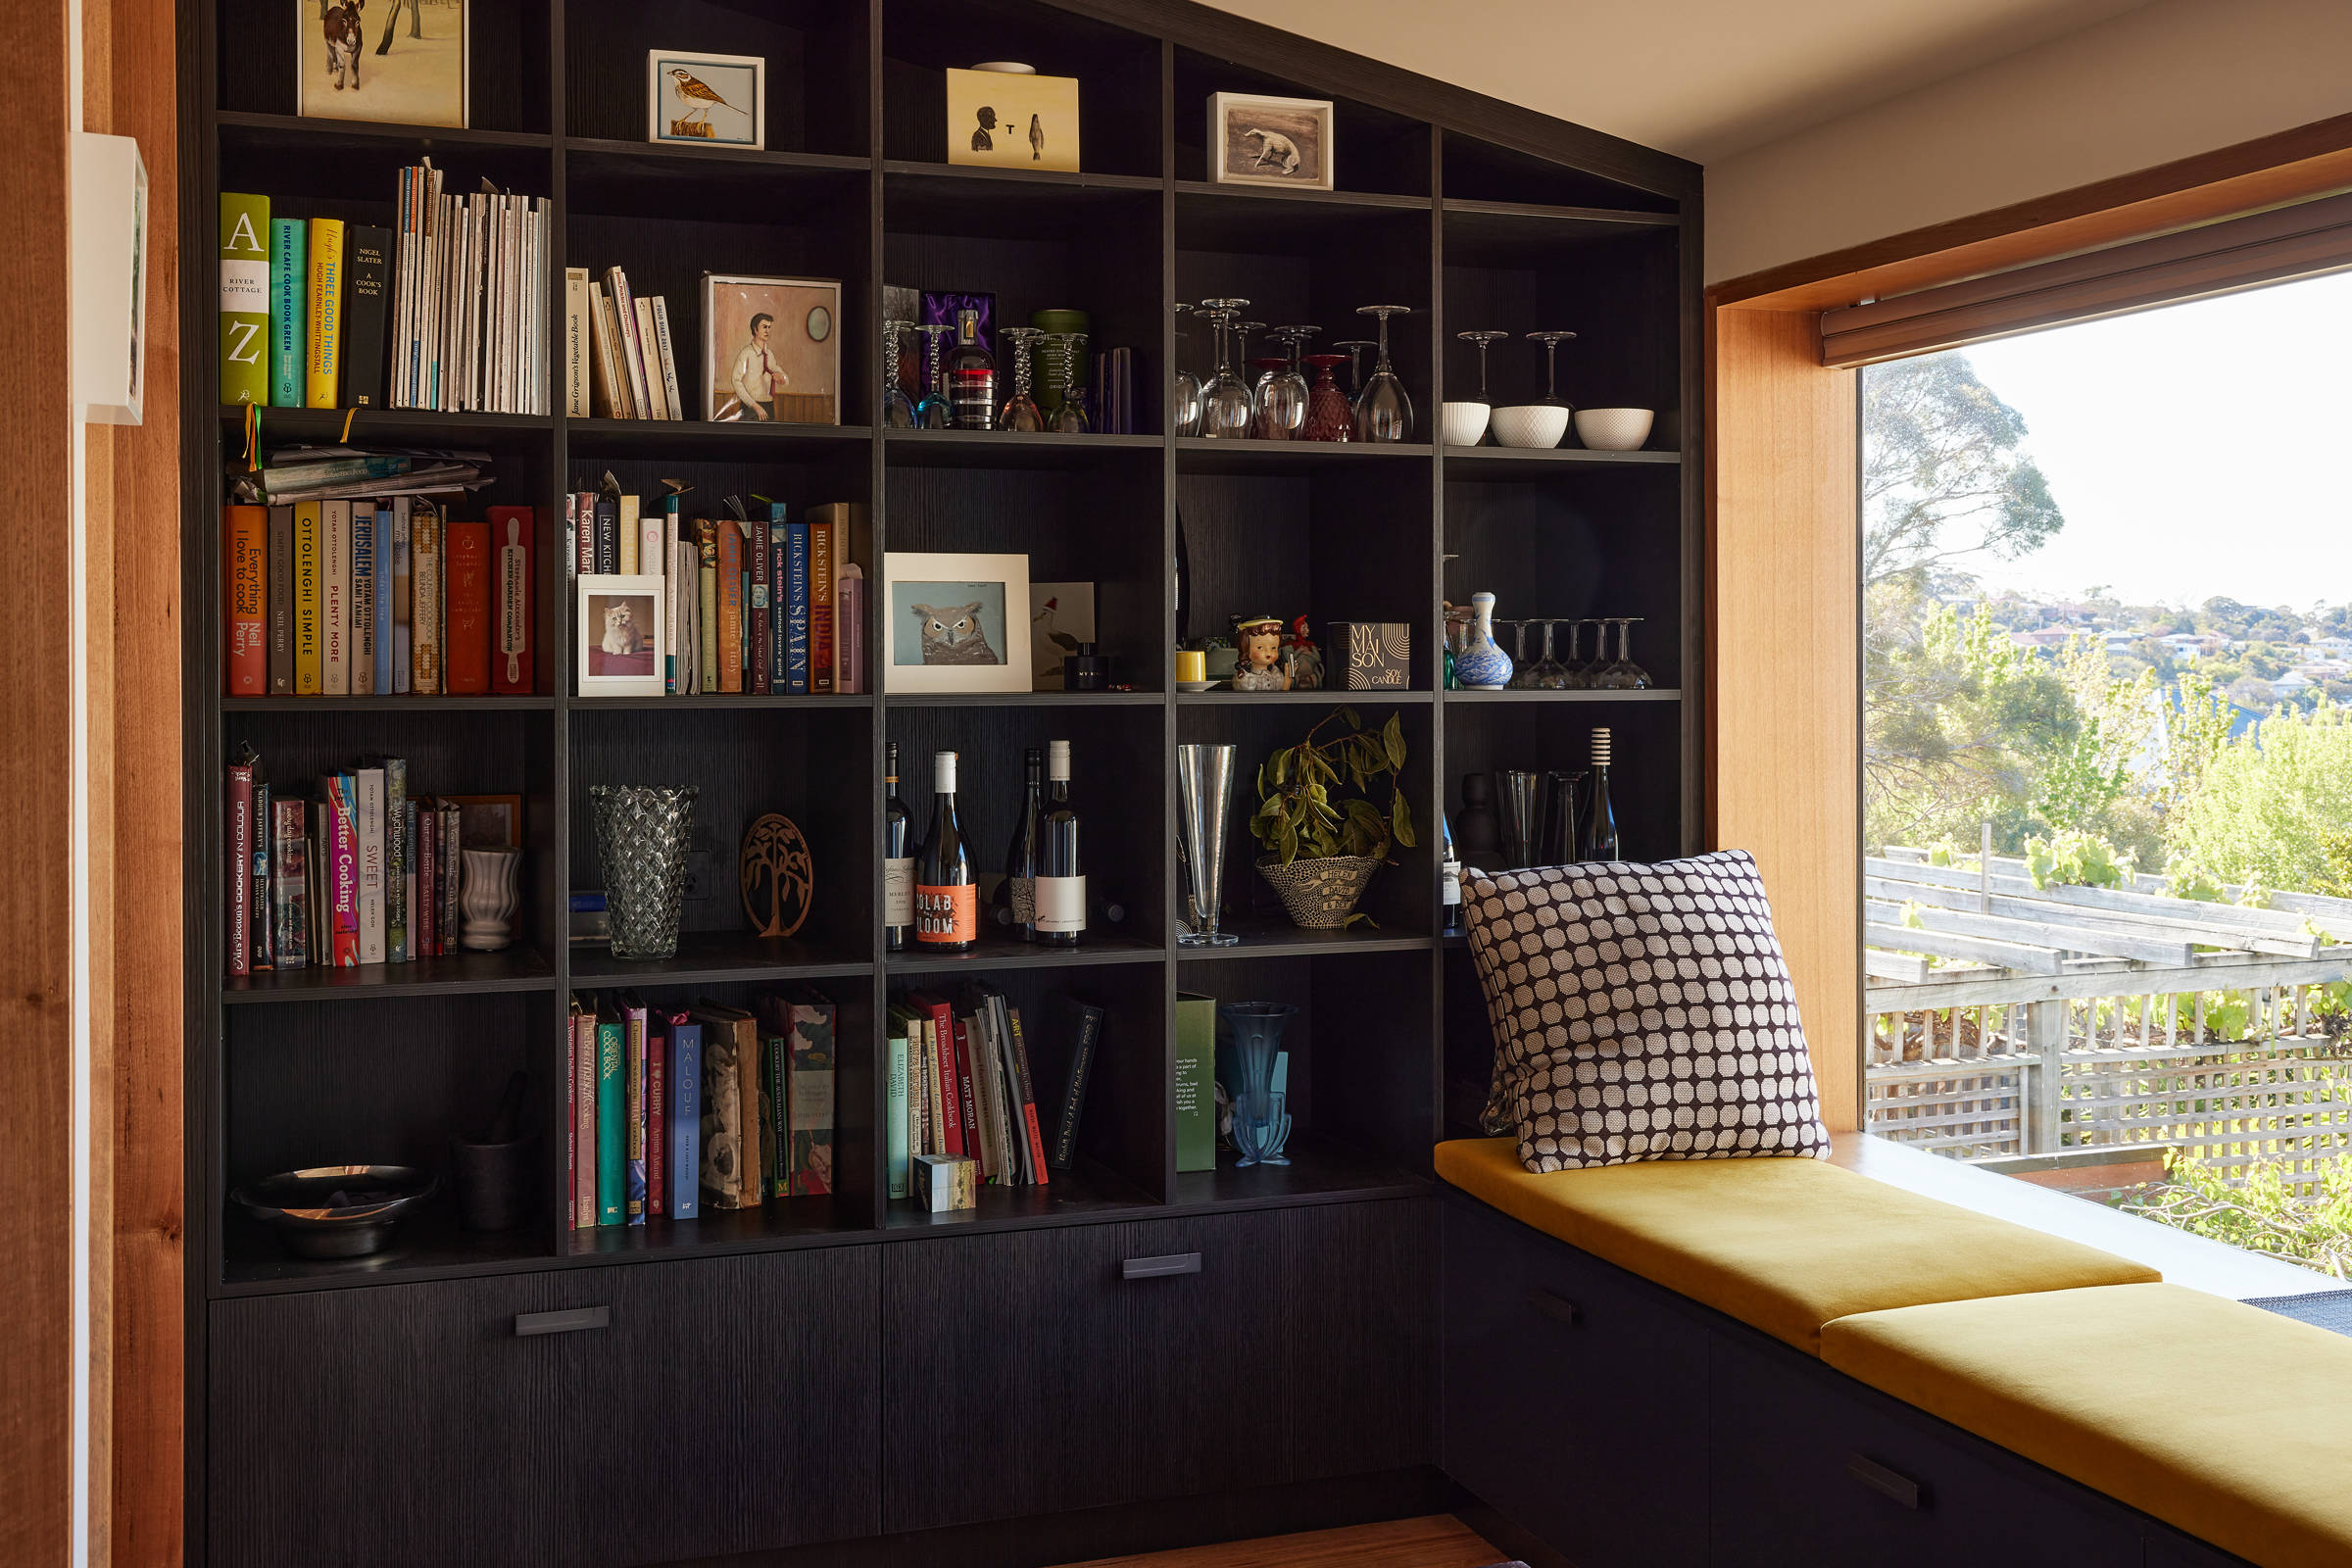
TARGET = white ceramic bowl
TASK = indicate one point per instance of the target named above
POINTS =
(1529, 424)
(1465, 422)
(1613, 429)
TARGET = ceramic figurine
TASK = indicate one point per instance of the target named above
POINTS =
(1302, 658)
(1261, 667)
(1481, 666)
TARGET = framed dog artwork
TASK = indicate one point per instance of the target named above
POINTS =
(1257, 140)
(622, 637)
(398, 61)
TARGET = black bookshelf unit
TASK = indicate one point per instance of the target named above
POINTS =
(909, 1332)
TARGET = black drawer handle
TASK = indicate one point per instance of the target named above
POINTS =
(568, 1321)
(1558, 1307)
(1159, 1268)
(1882, 1481)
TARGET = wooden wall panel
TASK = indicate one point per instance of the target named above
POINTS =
(1785, 641)
(36, 715)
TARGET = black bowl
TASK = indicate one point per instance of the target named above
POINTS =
(336, 1211)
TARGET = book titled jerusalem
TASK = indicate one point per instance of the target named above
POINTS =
(244, 298)
(364, 564)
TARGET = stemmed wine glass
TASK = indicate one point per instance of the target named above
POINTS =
(1550, 674)
(1384, 413)
(1281, 392)
(1225, 407)
(1573, 677)
(1523, 673)
(897, 409)
(1621, 675)
(1070, 416)
(1551, 342)
(1185, 405)
(933, 413)
(1356, 347)
(1600, 652)
(1020, 411)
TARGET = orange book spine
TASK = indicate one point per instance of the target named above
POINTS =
(466, 631)
(245, 613)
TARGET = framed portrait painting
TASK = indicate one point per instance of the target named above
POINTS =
(621, 635)
(955, 622)
(1257, 140)
(399, 61)
(706, 100)
(771, 349)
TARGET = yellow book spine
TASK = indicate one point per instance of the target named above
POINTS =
(324, 370)
(309, 641)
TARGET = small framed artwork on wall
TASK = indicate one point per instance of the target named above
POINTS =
(955, 622)
(412, 73)
(1256, 140)
(621, 636)
(771, 349)
(706, 100)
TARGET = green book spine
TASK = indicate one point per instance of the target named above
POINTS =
(775, 1159)
(1196, 1069)
(244, 298)
(289, 310)
(895, 1132)
(612, 1122)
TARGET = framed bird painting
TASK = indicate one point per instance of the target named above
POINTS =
(708, 100)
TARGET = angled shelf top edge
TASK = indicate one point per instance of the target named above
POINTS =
(909, 169)
(1538, 212)
(680, 153)
(230, 124)
(1274, 195)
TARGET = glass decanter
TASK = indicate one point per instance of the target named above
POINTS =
(1384, 413)
(934, 413)
(1225, 407)
(1020, 411)
(898, 409)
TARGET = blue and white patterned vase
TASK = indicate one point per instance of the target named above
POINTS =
(1481, 666)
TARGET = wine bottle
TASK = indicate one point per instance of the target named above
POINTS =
(1450, 880)
(1018, 892)
(1061, 874)
(946, 899)
(898, 858)
(1600, 820)
(972, 377)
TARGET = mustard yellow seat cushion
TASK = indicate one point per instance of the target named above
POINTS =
(2232, 1423)
(1784, 1245)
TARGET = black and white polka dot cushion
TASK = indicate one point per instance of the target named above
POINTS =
(1642, 1012)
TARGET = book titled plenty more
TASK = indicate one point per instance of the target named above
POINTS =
(356, 598)
(671, 1107)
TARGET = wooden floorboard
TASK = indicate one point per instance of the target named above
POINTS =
(1436, 1541)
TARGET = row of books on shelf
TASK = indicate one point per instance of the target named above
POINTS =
(361, 597)
(670, 1109)
(961, 1087)
(677, 605)
(630, 363)
(446, 310)
(366, 873)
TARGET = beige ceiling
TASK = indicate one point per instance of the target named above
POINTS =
(1702, 79)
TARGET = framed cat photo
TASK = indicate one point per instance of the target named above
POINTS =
(622, 640)
(955, 622)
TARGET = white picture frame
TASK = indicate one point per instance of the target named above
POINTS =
(803, 346)
(941, 611)
(422, 79)
(702, 108)
(603, 670)
(1253, 137)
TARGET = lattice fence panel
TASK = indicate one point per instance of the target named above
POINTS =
(1948, 1109)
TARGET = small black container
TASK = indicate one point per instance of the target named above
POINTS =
(1085, 671)
(493, 1182)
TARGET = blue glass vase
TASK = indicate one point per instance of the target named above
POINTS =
(1482, 666)
(1261, 1125)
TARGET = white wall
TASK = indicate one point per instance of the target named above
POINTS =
(2166, 81)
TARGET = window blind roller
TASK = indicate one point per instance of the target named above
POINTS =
(2266, 247)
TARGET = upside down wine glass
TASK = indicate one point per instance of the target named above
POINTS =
(1185, 403)
(1551, 342)
(1226, 409)
(1622, 674)
(897, 409)
(1356, 347)
(1384, 413)
(933, 413)
(1070, 416)
(1020, 411)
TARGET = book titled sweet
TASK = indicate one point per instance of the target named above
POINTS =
(244, 298)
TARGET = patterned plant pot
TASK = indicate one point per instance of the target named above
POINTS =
(1320, 895)
(641, 838)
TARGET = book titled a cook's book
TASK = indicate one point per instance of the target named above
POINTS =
(367, 295)
(465, 600)
(244, 298)
(511, 529)
(244, 584)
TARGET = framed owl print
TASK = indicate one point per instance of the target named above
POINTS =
(706, 100)
(955, 622)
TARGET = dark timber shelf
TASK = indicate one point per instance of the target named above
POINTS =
(517, 968)
(1086, 1193)
(778, 1222)
(1216, 697)
(397, 703)
(293, 133)
(1023, 699)
(1318, 1172)
(748, 441)
(996, 953)
(698, 700)
(1473, 698)
(394, 427)
(1545, 463)
(711, 958)
(1268, 939)
(1199, 454)
(1007, 449)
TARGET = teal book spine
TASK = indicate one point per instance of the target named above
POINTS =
(290, 281)
(612, 1122)
(895, 1134)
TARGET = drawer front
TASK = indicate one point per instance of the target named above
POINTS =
(1572, 1397)
(1813, 1470)
(1360, 1294)
(1034, 1371)
(384, 1427)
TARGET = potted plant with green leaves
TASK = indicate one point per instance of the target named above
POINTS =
(1328, 809)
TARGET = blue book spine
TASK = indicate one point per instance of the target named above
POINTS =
(685, 1121)
(383, 600)
(795, 610)
(779, 547)
(289, 301)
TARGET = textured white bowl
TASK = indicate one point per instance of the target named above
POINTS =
(1613, 429)
(1465, 422)
(1529, 424)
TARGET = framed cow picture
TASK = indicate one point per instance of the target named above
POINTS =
(399, 61)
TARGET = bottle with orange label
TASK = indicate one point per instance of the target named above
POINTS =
(946, 899)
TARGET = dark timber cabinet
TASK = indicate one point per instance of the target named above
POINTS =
(832, 1368)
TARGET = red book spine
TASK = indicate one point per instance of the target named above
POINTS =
(465, 602)
(429, 855)
(239, 854)
(963, 1077)
(1020, 1067)
(245, 613)
(342, 873)
(510, 532)
(946, 1100)
(656, 1121)
(820, 607)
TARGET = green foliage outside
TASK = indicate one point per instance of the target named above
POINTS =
(2260, 1213)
